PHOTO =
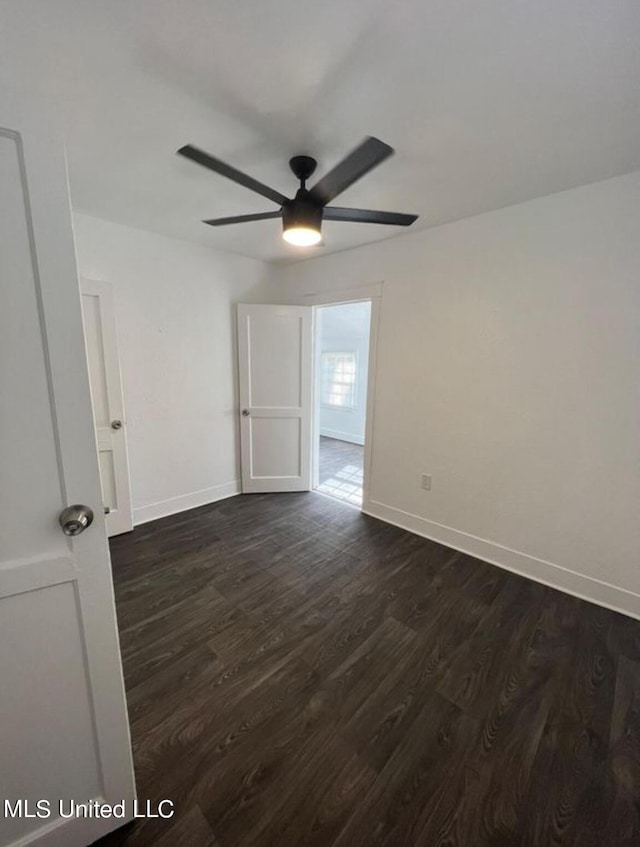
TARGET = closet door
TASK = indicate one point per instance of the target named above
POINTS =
(108, 406)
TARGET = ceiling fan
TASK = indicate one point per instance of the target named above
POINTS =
(302, 215)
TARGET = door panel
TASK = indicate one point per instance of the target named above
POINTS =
(275, 446)
(92, 318)
(52, 651)
(26, 422)
(108, 404)
(274, 344)
(274, 359)
(64, 730)
(108, 482)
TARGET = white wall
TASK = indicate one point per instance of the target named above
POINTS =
(176, 326)
(345, 329)
(509, 369)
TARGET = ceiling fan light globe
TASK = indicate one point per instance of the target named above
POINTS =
(302, 236)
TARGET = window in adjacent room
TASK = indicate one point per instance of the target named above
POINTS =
(339, 380)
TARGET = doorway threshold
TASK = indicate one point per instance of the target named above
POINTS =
(350, 505)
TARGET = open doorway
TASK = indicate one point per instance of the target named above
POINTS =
(342, 333)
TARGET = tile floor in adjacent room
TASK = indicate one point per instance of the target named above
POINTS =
(341, 469)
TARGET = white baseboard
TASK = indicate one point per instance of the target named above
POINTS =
(342, 436)
(585, 587)
(173, 505)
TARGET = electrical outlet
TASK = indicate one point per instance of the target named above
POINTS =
(425, 481)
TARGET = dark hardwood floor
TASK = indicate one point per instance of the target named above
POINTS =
(300, 674)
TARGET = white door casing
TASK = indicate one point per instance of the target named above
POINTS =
(275, 372)
(108, 405)
(63, 721)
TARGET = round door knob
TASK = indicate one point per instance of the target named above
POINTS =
(75, 519)
(116, 424)
(245, 413)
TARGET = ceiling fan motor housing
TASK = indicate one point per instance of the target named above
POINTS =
(302, 212)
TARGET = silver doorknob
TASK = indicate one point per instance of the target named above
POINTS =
(116, 424)
(75, 519)
(245, 413)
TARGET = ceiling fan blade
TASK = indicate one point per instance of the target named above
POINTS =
(361, 160)
(367, 216)
(243, 219)
(202, 158)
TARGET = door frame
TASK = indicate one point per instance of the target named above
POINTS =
(371, 293)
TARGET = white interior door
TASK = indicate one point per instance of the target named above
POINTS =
(108, 405)
(63, 721)
(275, 367)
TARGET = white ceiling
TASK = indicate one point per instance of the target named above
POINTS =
(486, 103)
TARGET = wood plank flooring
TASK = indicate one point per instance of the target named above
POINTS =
(300, 674)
